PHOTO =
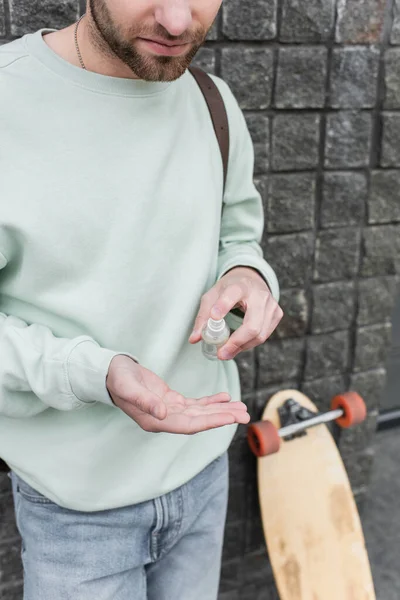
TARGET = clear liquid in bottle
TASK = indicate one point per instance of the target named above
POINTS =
(215, 334)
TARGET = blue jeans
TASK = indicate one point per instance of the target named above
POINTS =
(165, 549)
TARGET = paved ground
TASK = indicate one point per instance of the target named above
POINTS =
(381, 516)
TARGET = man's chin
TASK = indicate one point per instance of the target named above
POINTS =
(162, 69)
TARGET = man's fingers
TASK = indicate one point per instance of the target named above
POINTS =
(215, 398)
(232, 408)
(207, 301)
(205, 422)
(272, 320)
(193, 420)
(272, 317)
(249, 331)
(229, 297)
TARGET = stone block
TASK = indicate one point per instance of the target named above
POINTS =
(230, 595)
(390, 156)
(263, 591)
(361, 497)
(376, 300)
(229, 580)
(233, 541)
(254, 540)
(372, 346)
(333, 306)
(27, 17)
(10, 563)
(261, 158)
(392, 78)
(241, 458)
(255, 20)
(237, 502)
(321, 391)
(384, 202)
(261, 183)
(8, 530)
(291, 202)
(291, 257)
(5, 483)
(213, 33)
(310, 21)
(12, 592)
(381, 251)
(205, 59)
(301, 77)
(336, 254)
(249, 72)
(255, 569)
(360, 21)
(296, 313)
(2, 20)
(344, 197)
(354, 77)
(327, 354)
(245, 363)
(280, 360)
(370, 386)
(258, 126)
(395, 36)
(348, 140)
(295, 142)
(357, 439)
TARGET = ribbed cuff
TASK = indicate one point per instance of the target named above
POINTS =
(86, 369)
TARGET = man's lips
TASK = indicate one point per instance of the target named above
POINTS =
(164, 42)
(164, 47)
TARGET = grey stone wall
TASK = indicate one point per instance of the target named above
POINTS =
(319, 83)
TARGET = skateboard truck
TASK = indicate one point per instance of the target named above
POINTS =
(296, 419)
(293, 413)
(264, 438)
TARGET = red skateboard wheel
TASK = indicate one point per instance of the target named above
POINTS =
(263, 438)
(353, 406)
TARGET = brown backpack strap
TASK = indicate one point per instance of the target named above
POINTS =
(218, 114)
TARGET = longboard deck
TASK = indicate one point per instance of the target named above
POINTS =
(310, 519)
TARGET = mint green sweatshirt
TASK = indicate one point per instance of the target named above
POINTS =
(110, 232)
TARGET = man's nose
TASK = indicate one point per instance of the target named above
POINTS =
(174, 15)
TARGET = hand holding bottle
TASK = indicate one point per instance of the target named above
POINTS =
(244, 288)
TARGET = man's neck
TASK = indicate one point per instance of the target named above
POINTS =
(92, 49)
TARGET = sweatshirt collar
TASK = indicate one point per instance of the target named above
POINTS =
(106, 84)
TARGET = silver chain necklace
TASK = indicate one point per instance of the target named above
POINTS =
(77, 45)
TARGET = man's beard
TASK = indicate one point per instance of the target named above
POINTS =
(148, 67)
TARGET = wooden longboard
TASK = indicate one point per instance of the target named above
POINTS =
(310, 519)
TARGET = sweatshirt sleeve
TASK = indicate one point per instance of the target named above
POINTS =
(39, 370)
(242, 222)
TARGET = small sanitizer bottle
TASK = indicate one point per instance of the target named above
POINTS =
(215, 334)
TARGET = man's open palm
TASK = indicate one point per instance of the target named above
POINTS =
(148, 400)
